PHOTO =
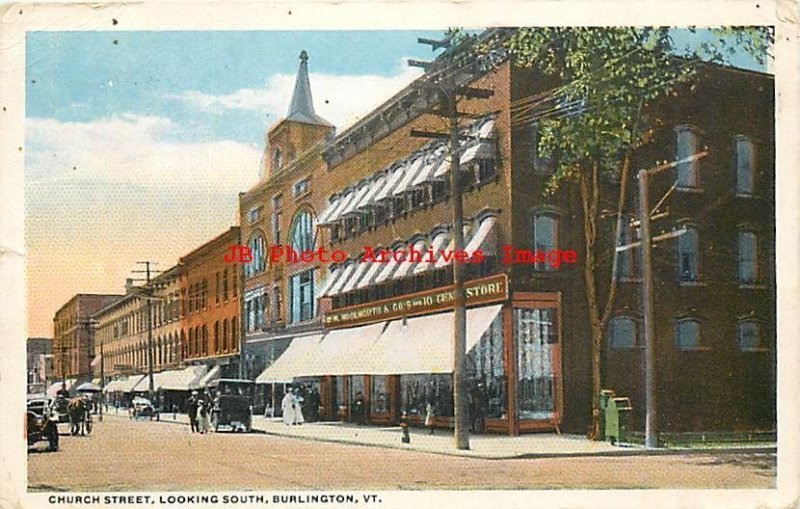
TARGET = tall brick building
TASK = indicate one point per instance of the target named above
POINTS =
(72, 339)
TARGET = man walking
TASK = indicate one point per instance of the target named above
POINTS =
(191, 410)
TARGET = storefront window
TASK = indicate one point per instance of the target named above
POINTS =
(339, 396)
(535, 333)
(416, 390)
(379, 395)
(356, 385)
(485, 370)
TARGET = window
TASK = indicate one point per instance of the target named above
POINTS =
(535, 332)
(379, 395)
(687, 334)
(225, 335)
(205, 340)
(545, 235)
(300, 188)
(225, 285)
(276, 303)
(747, 335)
(204, 296)
(253, 215)
(687, 145)
(217, 288)
(622, 332)
(688, 256)
(276, 219)
(301, 294)
(487, 169)
(744, 166)
(234, 334)
(216, 337)
(301, 234)
(235, 280)
(485, 365)
(747, 258)
(277, 159)
(419, 390)
(257, 264)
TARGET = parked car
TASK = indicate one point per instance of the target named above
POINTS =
(142, 407)
(39, 427)
(39, 406)
(58, 409)
(233, 404)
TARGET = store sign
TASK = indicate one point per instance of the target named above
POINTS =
(478, 291)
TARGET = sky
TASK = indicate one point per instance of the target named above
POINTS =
(138, 143)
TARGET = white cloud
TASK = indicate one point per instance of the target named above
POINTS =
(340, 99)
(133, 149)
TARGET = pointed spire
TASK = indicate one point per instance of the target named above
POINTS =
(302, 106)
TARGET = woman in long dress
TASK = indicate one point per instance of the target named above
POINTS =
(287, 406)
(298, 407)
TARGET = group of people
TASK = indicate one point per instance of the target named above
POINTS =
(292, 407)
(199, 411)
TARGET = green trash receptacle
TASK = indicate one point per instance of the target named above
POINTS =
(618, 419)
(603, 399)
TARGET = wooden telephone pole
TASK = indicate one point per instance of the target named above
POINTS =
(444, 81)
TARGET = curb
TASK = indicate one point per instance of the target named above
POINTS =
(622, 452)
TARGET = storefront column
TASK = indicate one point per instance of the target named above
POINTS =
(510, 368)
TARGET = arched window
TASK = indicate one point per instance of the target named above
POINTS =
(688, 144)
(301, 234)
(687, 333)
(191, 348)
(184, 344)
(204, 296)
(205, 340)
(747, 258)
(225, 335)
(748, 335)
(216, 337)
(623, 332)
(234, 334)
(688, 255)
(545, 235)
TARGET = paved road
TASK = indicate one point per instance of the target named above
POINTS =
(126, 455)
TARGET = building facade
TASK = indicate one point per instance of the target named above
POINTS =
(121, 328)
(39, 361)
(353, 328)
(72, 338)
(210, 300)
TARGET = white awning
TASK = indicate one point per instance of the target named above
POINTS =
(355, 277)
(444, 262)
(333, 275)
(124, 384)
(341, 351)
(437, 243)
(369, 275)
(336, 287)
(387, 269)
(374, 188)
(427, 172)
(391, 182)
(443, 168)
(300, 355)
(484, 234)
(213, 374)
(323, 216)
(481, 150)
(359, 195)
(342, 204)
(486, 129)
(96, 361)
(412, 170)
(421, 344)
(179, 379)
(404, 268)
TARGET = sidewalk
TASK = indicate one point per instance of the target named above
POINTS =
(535, 445)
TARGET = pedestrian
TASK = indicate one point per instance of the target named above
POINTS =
(313, 405)
(298, 407)
(202, 417)
(429, 415)
(359, 408)
(287, 407)
(191, 410)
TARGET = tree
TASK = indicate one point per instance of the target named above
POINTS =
(596, 119)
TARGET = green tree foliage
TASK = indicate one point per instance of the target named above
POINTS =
(595, 119)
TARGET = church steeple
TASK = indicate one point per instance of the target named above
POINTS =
(302, 106)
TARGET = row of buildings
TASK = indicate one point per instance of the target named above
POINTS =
(382, 332)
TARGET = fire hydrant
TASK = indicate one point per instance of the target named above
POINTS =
(404, 428)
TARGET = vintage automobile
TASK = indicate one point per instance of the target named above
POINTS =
(59, 410)
(142, 407)
(39, 427)
(233, 404)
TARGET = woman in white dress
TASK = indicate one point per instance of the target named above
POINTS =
(298, 407)
(287, 405)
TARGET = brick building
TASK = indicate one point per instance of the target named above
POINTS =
(72, 338)
(209, 311)
(39, 361)
(383, 329)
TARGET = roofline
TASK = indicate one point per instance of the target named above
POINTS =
(77, 295)
(185, 259)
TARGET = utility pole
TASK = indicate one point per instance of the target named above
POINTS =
(449, 90)
(651, 416)
(148, 295)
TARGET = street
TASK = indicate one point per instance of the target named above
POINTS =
(121, 454)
